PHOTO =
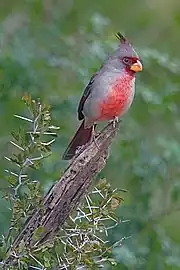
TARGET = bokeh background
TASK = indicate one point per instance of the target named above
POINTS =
(50, 48)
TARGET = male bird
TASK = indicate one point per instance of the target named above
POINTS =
(109, 93)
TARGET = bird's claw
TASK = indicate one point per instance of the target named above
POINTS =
(115, 120)
(80, 149)
(93, 138)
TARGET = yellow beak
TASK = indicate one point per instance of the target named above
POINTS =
(136, 66)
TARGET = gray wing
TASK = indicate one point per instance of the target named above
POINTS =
(85, 95)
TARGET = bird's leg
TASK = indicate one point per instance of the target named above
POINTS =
(115, 120)
(94, 135)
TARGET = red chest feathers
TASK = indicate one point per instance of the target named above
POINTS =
(118, 99)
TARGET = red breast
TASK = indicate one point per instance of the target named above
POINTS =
(119, 98)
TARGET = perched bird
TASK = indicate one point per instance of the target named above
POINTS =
(109, 93)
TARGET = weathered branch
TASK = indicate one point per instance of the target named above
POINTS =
(65, 195)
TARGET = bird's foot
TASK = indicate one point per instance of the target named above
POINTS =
(115, 121)
(94, 136)
(80, 149)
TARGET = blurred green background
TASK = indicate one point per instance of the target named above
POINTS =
(50, 48)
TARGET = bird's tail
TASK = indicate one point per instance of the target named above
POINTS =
(82, 136)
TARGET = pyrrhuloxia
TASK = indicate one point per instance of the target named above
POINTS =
(109, 93)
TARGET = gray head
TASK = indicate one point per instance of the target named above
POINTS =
(124, 58)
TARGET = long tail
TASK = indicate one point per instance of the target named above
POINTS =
(82, 136)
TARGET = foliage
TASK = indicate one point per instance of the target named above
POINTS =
(82, 242)
(31, 147)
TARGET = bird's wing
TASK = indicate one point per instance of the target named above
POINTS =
(85, 95)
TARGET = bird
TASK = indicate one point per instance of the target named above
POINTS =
(108, 95)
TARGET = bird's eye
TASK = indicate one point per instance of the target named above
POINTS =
(126, 60)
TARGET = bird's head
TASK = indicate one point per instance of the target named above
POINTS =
(125, 57)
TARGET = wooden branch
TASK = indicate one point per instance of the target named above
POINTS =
(65, 195)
